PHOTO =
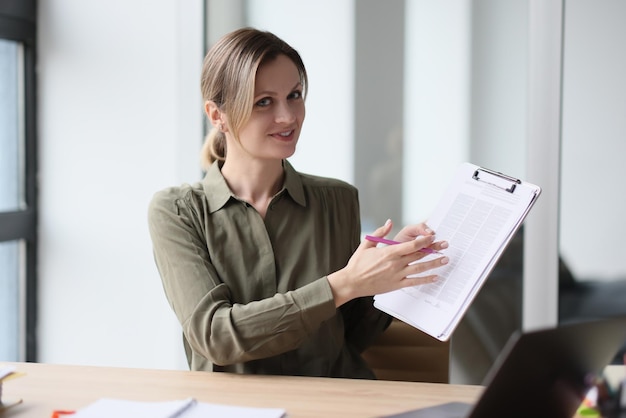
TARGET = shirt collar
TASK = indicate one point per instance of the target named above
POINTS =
(215, 188)
(218, 193)
(293, 184)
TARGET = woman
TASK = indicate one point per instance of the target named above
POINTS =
(261, 264)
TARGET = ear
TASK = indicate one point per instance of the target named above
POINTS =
(215, 115)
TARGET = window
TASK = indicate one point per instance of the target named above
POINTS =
(18, 203)
(11, 134)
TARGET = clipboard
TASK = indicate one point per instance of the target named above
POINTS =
(478, 215)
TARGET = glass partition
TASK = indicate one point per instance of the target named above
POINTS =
(592, 206)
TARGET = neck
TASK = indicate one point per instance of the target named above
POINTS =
(256, 182)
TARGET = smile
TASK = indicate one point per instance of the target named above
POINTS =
(284, 135)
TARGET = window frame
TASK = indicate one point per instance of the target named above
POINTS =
(18, 23)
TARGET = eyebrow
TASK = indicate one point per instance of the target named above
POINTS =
(270, 93)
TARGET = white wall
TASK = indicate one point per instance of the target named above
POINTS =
(119, 118)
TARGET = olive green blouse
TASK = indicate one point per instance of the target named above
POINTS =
(252, 294)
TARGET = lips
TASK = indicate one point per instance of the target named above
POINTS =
(284, 135)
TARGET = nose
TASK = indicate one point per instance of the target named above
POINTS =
(285, 112)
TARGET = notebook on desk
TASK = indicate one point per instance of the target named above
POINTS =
(543, 373)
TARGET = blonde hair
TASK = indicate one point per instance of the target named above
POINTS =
(228, 79)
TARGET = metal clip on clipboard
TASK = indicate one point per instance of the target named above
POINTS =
(497, 177)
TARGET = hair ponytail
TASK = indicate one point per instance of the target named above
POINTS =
(214, 148)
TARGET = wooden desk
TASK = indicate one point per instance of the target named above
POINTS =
(48, 387)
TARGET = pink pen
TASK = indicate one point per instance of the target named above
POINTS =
(391, 242)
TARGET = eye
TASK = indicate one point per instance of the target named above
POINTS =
(266, 101)
(297, 94)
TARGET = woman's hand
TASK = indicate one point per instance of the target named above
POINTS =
(373, 270)
(411, 232)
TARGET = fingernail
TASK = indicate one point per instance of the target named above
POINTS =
(445, 260)
(444, 244)
(428, 230)
(434, 279)
(387, 222)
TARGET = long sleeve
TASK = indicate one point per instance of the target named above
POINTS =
(215, 324)
(252, 293)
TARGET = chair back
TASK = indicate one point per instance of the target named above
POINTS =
(405, 353)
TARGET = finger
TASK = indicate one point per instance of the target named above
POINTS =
(439, 245)
(436, 246)
(409, 232)
(424, 266)
(419, 281)
(424, 229)
(380, 232)
(412, 248)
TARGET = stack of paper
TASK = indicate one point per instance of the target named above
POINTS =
(186, 408)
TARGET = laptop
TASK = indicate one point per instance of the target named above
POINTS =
(543, 373)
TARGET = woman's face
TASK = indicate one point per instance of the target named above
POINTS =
(274, 126)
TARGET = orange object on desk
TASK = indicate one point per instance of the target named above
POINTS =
(59, 414)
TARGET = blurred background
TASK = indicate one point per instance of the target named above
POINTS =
(100, 107)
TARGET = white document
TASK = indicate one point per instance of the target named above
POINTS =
(6, 371)
(186, 408)
(478, 215)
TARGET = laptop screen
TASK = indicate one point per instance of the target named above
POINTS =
(547, 373)
(541, 374)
